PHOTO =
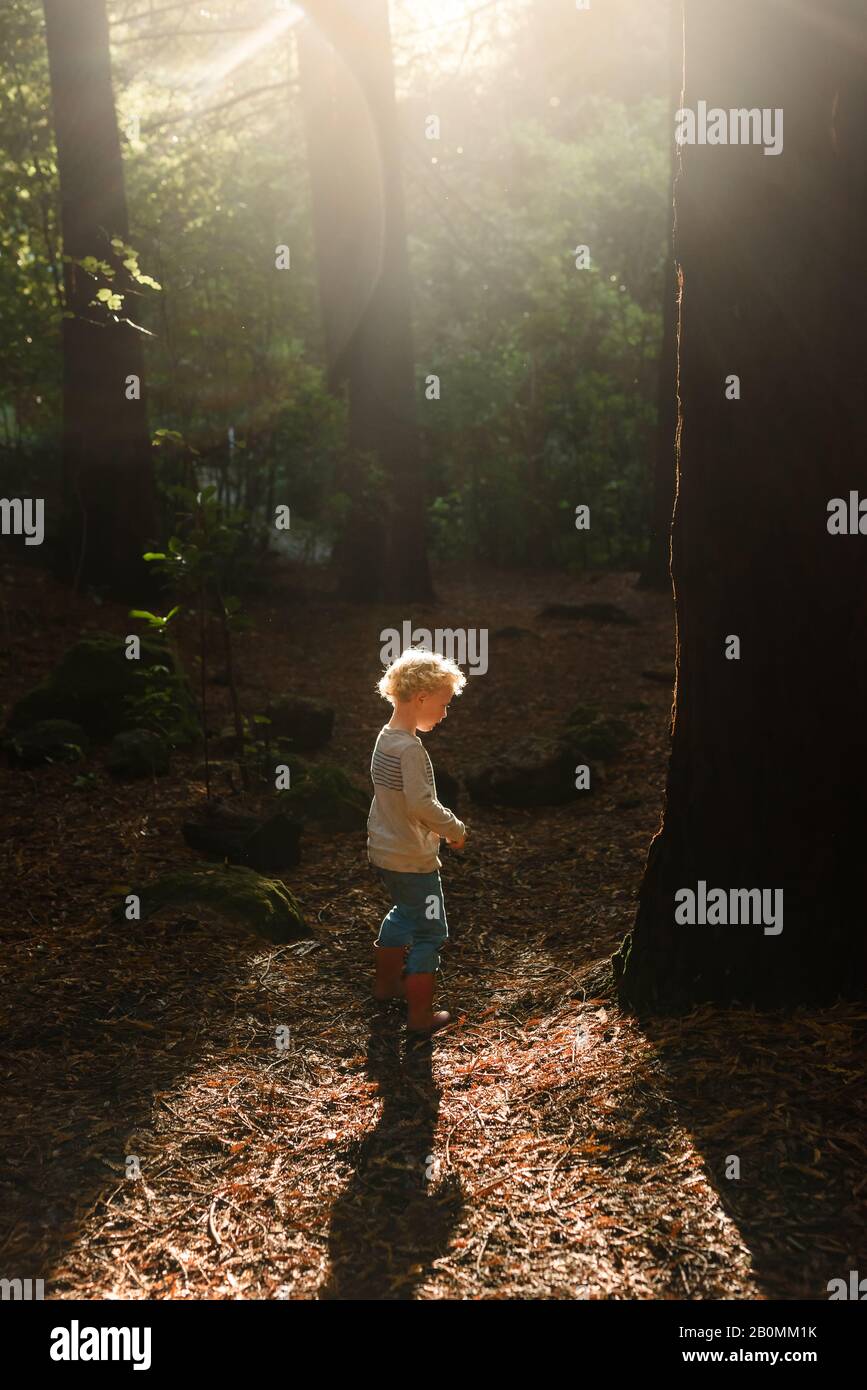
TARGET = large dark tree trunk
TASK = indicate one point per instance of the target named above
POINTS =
(109, 503)
(768, 774)
(656, 573)
(360, 231)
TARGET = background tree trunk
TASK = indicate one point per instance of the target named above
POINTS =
(766, 786)
(360, 231)
(109, 498)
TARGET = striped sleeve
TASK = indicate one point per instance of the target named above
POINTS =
(385, 770)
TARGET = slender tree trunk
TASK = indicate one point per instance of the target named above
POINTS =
(203, 676)
(109, 513)
(360, 231)
(228, 656)
(766, 787)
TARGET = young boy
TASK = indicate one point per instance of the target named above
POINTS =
(404, 829)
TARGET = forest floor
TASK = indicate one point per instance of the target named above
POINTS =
(544, 1145)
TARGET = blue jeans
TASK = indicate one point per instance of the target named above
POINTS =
(417, 920)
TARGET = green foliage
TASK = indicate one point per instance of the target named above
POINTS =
(31, 272)
(552, 376)
(205, 561)
(112, 296)
(161, 704)
(548, 372)
(93, 681)
(153, 619)
(211, 552)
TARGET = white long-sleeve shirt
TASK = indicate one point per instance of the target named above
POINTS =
(406, 821)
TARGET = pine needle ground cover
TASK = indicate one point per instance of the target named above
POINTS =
(189, 1111)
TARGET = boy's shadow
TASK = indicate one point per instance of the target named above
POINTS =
(395, 1216)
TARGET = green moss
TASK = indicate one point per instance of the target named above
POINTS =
(596, 735)
(95, 686)
(322, 792)
(265, 905)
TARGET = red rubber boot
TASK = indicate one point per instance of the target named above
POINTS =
(420, 1018)
(387, 983)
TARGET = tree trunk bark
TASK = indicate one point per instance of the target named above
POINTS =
(656, 573)
(360, 232)
(109, 508)
(766, 785)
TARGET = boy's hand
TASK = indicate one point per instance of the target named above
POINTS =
(457, 844)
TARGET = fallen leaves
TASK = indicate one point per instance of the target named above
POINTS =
(547, 1147)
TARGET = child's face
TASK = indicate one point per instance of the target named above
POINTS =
(432, 707)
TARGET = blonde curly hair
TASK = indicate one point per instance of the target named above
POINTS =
(419, 672)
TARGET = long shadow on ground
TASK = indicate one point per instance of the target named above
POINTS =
(392, 1219)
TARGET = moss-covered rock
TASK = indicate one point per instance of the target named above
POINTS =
(94, 685)
(240, 895)
(591, 734)
(535, 771)
(48, 741)
(324, 794)
(540, 770)
(138, 753)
